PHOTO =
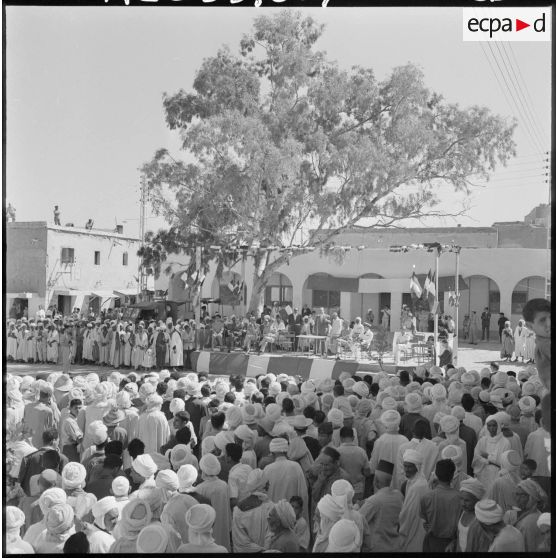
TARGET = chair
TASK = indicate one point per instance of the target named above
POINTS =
(419, 352)
(286, 341)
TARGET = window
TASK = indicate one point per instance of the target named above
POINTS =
(519, 299)
(67, 255)
(282, 295)
(125, 258)
(326, 299)
(97, 258)
(494, 302)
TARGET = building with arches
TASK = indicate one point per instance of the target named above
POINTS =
(500, 267)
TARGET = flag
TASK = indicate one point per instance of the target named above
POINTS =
(431, 294)
(415, 286)
(231, 286)
(427, 282)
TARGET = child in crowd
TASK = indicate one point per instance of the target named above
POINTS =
(301, 529)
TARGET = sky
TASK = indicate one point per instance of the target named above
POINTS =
(84, 92)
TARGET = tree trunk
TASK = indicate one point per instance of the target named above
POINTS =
(257, 297)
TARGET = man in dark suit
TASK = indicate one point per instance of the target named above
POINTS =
(485, 323)
(295, 323)
(501, 324)
(321, 327)
(46, 457)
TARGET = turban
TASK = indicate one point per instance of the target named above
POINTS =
(163, 374)
(281, 428)
(186, 476)
(120, 486)
(177, 405)
(250, 388)
(390, 418)
(468, 379)
(500, 379)
(514, 411)
(458, 412)
(342, 492)
(152, 539)
(474, 487)
(135, 515)
(248, 413)
(15, 518)
(455, 453)
(523, 375)
(144, 465)
(208, 444)
(438, 392)
(50, 497)
(132, 388)
(63, 383)
(281, 397)
(102, 507)
(348, 385)
(274, 389)
(283, 378)
(73, 475)
(327, 399)
(113, 416)
(279, 445)
(179, 455)
(412, 387)
(326, 385)
(413, 402)
(527, 404)
(59, 519)
(544, 520)
(233, 417)
(488, 512)
(389, 404)
(510, 460)
(245, 433)
(344, 536)
(223, 438)
(528, 388)
(98, 432)
(484, 396)
(200, 518)
(330, 508)
(364, 406)
(273, 412)
(146, 390)
(210, 465)
(413, 456)
(485, 373)
(292, 389)
(255, 481)
(532, 488)
(153, 497)
(307, 387)
(45, 387)
(167, 480)
(449, 424)
(454, 396)
(123, 400)
(286, 514)
(154, 400)
(335, 416)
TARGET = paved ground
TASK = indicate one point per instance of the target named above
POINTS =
(469, 356)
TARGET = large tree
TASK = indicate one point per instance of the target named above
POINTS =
(284, 148)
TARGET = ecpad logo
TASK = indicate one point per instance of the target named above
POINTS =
(499, 24)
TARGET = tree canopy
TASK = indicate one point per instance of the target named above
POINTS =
(280, 144)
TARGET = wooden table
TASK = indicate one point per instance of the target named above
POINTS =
(316, 338)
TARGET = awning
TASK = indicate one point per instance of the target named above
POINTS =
(103, 294)
(21, 295)
(125, 292)
(70, 292)
(325, 282)
(446, 283)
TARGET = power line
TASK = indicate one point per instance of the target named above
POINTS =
(525, 113)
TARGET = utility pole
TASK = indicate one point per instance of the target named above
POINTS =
(548, 282)
(142, 284)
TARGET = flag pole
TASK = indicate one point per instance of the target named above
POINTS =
(456, 333)
(436, 308)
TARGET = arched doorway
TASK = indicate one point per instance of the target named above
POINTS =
(483, 293)
(369, 305)
(279, 289)
(526, 289)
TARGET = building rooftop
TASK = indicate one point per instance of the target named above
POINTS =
(75, 230)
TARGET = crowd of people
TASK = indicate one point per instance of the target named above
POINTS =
(113, 341)
(422, 461)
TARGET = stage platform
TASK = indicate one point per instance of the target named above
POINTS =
(308, 367)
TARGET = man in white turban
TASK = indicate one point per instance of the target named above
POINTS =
(15, 519)
(218, 493)
(200, 520)
(282, 520)
(502, 490)
(411, 528)
(153, 427)
(249, 519)
(105, 515)
(59, 527)
(387, 445)
(470, 491)
(46, 500)
(504, 538)
(285, 477)
(143, 471)
(344, 537)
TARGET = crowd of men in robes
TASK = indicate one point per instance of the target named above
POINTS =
(426, 461)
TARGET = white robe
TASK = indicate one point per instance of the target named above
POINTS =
(411, 528)
(175, 349)
(153, 430)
